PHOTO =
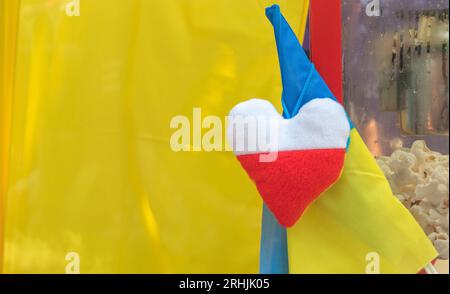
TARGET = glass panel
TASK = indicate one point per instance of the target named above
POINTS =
(396, 71)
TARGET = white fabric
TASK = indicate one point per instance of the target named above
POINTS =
(320, 124)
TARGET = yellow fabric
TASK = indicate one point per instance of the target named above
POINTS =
(356, 216)
(8, 31)
(91, 170)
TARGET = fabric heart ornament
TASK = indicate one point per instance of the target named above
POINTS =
(292, 161)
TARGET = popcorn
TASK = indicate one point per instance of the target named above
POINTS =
(440, 174)
(433, 191)
(419, 149)
(403, 174)
(401, 197)
(419, 178)
(440, 241)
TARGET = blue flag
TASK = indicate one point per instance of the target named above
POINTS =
(301, 83)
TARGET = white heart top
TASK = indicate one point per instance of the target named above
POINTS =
(255, 126)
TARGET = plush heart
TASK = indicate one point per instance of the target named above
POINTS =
(291, 161)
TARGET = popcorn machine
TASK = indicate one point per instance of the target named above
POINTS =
(396, 90)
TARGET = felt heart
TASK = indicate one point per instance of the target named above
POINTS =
(291, 161)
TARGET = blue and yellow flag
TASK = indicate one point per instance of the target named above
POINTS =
(356, 219)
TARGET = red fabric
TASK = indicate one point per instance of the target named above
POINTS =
(423, 272)
(326, 42)
(294, 180)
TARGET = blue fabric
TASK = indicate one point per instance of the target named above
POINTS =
(301, 84)
(273, 255)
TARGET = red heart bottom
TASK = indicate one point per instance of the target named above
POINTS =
(294, 180)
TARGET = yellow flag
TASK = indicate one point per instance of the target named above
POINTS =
(89, 175)
(358, 226)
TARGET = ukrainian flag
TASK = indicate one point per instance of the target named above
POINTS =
(357, 219)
